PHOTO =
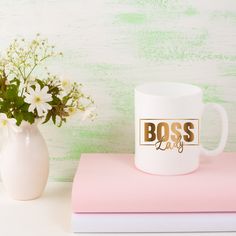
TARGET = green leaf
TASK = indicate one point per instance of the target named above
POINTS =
(29, 116)
(12, 92)
(48, 116)
(26, 116)
(19, 117)
(55, 100)
(5, 106)
(25, 107)
(15, 81)
(54, 118)
(19, 101)
(54, 90)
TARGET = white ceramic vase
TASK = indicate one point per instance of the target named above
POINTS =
(24, 162)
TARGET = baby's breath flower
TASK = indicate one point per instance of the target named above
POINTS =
(49, 97)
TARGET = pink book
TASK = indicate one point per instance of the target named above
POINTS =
(110, 183)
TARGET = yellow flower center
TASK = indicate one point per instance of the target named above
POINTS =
(37, 99)
(64, 83)
(4, 122)
(71, 109)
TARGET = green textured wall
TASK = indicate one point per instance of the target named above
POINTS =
(113, 45)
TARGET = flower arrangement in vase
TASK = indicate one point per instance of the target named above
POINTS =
(25, 100)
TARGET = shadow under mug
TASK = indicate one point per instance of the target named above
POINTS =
(167, 128)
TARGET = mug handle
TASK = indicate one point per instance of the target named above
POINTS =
(224, 130)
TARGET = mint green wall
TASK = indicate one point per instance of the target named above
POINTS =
(113, 45)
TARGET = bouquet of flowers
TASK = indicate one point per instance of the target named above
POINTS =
(26, 97)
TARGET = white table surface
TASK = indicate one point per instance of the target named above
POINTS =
(50, 215)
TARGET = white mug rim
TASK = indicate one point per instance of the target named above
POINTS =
(187, 89)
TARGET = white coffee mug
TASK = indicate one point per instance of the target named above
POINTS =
(167, 128)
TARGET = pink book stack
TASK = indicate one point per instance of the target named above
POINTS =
(110, 195)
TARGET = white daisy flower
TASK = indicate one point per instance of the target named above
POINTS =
(71, 110)
(89, 113)
(38, 99)
(5, 121)
(65, 87)
(66, 84)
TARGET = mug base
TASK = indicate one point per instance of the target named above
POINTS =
(167, 173)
